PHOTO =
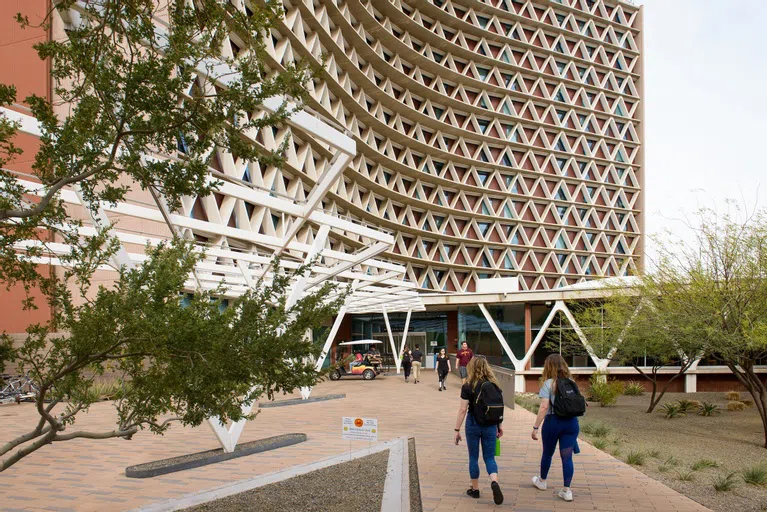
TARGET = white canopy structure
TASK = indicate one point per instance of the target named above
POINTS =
(337, 249)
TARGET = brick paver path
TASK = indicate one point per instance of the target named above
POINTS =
(86, 475)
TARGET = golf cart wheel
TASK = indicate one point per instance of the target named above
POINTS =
(368, 374)
(335, 375)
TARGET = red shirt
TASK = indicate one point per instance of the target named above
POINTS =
(464, 356)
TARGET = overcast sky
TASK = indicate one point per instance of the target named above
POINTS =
(705, 108)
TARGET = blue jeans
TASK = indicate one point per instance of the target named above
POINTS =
(565, 432)
(476, 434)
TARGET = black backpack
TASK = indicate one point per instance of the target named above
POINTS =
(406, 358)
(568, 402)
(488, 404)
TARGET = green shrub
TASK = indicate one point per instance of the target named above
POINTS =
(756, 475)
(528, 401)
(671, 461)
(633, 388)
(655, 454)
(663, 469)
(685, 476)
(704, 464)
(672, 411)
(635, 458)
(596, 429)
(688, 405)
(707, 409)
(604, 390)
(725, 482)
(599, 444)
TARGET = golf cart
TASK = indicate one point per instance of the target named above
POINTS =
(368, 368)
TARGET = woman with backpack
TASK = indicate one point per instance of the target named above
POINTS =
(482, 406)
(561, 404)
(407, 362)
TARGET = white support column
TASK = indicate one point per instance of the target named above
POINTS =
(397, 360)
(691, 383)
(306, 392)
(518, 366)
(404, 340)
(228, 437)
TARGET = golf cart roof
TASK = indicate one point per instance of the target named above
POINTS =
(361, 342)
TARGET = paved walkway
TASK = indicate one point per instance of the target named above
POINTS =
(88, 475)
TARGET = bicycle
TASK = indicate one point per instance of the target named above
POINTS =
(18, 389)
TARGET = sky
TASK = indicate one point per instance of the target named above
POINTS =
(705, 108)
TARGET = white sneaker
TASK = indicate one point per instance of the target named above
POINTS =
(540, 484)
(565, 495)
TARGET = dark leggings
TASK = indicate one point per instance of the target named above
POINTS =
(442, 376)
(565, 432)
(407, 367)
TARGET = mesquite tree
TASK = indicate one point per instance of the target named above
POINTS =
(636, 327)
(178, 356)
(718, 282)
(140, 108)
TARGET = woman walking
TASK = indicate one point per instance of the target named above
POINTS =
(556, 429)
(479, 374)
(407, 362)
(442, 368)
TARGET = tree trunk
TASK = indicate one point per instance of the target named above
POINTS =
(754, 385)
(653, 402)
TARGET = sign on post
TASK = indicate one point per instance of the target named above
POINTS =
(359, 429)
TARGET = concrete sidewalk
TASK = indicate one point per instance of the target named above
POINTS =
(88, 475)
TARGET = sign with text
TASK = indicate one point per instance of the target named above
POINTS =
(359, 429)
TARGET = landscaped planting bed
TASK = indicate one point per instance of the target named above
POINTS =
(350, 486)
(693, 454)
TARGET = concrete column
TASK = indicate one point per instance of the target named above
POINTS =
(519, 383)
(528, 330)
(690, 383)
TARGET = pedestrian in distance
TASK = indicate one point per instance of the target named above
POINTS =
(561, 404)
(407, 362)
(417, 357)
(463, 357)
(442, 368)
(482, 406)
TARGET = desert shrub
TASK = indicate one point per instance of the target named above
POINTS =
(733, 395)
(599, 444)
(685, 476)
(671, 461)
(707, 409)
(633, 388)
(688, 405)
(596, 429)
(604, 390)
(672, 411)
(756, 475)
(747, 403)
(736, 406)
(616, 452)
(528, 401)
(704, 464)
(655, 454)
(663, 468)
(725, 482)
(635, 458)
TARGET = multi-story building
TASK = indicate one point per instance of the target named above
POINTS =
(500, 142)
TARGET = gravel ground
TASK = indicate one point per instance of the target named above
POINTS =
(415, 485)
(351, 486)
(734, 440)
